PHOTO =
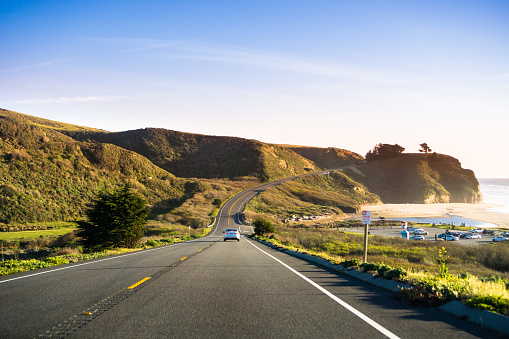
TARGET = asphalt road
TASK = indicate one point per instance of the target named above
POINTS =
(208, 288)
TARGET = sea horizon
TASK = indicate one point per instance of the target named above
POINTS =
(495, 191)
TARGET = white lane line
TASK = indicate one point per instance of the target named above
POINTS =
(87, 263)
(333, 297)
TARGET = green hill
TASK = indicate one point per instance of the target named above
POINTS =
(46, 175)
(419, 178)
(190, 155)
(335, 193)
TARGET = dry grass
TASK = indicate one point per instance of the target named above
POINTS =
(482, 261)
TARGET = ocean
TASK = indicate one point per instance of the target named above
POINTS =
(496, 191)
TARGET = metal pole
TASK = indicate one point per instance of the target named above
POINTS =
(366, 242)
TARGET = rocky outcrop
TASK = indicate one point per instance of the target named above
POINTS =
(419, 179)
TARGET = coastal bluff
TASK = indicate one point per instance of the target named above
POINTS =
(419, 179)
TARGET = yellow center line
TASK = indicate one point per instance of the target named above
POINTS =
(229, 212)
(138, 283)
(184, 258)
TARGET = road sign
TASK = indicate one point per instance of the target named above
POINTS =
(366, 217)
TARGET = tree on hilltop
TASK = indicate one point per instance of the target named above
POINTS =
(384, 151)
(115, 219)
(425, 148)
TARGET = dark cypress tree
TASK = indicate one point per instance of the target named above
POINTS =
(115, 219)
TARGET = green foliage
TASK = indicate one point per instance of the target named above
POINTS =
(384, 151)
(395, 273)
(351, 262)
(262, 226)
(369, 266)
(490, 303)
(442, 263)
(115, 219)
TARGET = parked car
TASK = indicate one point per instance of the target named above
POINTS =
(500, 239)
(420, 231)
(477, 230)
(231, 233)
(505, 234)
(473, 236)
(448, 237)
(465, 234)
(418, 237)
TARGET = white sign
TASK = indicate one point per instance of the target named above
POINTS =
(366, 217)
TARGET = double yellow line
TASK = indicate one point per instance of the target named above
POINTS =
(230, 211)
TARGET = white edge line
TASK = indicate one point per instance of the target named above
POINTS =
(333, 297)
(89, 262)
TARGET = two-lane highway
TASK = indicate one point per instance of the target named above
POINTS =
(213, 289)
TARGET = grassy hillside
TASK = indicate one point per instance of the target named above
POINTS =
(328, 157)
(419, 178)
(190, 155)
(46, 175)
(335, 193)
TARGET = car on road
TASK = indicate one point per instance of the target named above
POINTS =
(231, 233)
(448, 237)
(418, 237)
(420, 231)
(477, 230)
(473, 236)
(500, 239)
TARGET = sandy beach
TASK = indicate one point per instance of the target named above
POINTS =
(480, 212)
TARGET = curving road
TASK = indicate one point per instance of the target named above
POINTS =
(207, 288)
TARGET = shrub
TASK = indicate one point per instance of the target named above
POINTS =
(490, 303)
(395, 273)
(369, 266)
(351, 263)
(262, 226)
(382, 269)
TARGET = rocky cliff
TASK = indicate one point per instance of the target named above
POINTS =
(419, 178)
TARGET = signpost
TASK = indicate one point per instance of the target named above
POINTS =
(366, 219)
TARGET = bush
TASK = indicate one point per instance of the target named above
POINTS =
(395, 273)
(490, 303)
(350, 263)
(369, 266)
(262, 226)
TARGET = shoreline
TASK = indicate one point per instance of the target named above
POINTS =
(479, 212)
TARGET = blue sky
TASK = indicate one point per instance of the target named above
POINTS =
(326, 73)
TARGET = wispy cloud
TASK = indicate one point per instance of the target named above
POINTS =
(41, 64)
(264, 59)
(70, 100)
(196, 51)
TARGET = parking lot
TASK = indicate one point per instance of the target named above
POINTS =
(395, 231)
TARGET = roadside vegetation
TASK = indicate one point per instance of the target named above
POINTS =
(438, 272)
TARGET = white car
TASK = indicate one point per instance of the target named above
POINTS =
(473, 236)
(420, 231)
(231, 233)
(500, 239)
(477, 230)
